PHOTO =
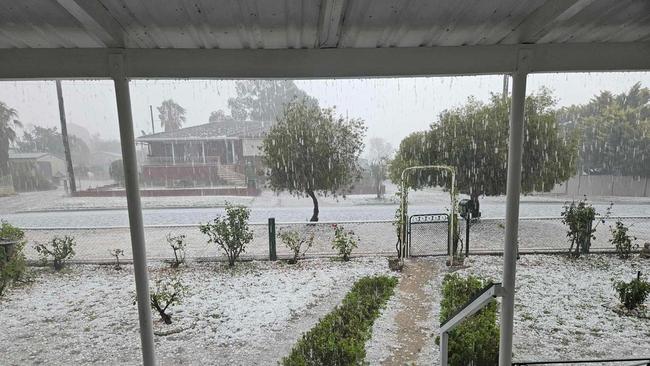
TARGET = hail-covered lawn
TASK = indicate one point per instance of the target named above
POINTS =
(252, 314)
(564, 309)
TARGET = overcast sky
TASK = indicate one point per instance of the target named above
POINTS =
(392, 108)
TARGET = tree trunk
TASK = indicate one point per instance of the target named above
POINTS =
(474, 198)
(314, 217)
(64, 135)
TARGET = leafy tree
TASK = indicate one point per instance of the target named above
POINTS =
(167, 291)
(171, 115)
(265, 100)
(614, 132)
(59, 249)
(379, 155)
(8, 123)
(310, 151)
(50, 140)
(474, 139)
(219, 115)
(116, 171)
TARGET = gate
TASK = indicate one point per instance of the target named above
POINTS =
(428, 234)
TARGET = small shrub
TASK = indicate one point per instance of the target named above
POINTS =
(12, 263)
(59, 249)
(230, 233)
(297, 243)
(634, 293)
(117, 253)
(339, 338)
(344, 241)
(177, 243)
(624, 243)
(579, 217)
(167, 292)
(476, 340)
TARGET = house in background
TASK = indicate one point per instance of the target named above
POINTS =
(35, 171)
(221, 153)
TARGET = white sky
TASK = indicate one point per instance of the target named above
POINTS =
(392, 108)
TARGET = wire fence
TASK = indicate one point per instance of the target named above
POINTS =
(375, 238)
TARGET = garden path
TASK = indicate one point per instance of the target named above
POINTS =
(415, 325)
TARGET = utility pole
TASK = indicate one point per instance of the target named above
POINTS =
(153, 128)
(64, 136)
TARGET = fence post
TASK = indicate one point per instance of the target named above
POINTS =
(272, 254)
(467, 223)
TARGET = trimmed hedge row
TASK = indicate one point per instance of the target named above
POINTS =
(339, 338)
(476, 340)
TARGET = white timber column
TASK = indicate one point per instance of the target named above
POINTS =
(130, 163)
(513, 190)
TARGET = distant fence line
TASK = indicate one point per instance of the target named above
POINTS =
(536, 234)
(604, 185)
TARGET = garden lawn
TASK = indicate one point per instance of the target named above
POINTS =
(252, 314)
(563, 310)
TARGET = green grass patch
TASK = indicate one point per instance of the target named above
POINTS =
(340, 337)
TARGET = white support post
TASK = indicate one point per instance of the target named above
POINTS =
(203, 151)
(444, 349)
(129, 159)
(513, 189)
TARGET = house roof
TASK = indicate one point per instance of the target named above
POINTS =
(318, 38)
(221, 130)
(29, 156)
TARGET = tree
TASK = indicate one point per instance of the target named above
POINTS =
(310, 151)
(219, 115)
(614, 132)
(379, 155)
(473, 138)
(116, 171)
(171, 115)
(43, 139)
(265, 100)
(8, 123)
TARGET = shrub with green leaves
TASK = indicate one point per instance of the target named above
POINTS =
(167, 292)
(476, 340)
(298, 243)
(579, 217)
(339, 338)
(12, 259)
(634, 293)
(344, 241)
(230, 232)
(623, 242)
(59, 249)
(117, 253)
(177, 243)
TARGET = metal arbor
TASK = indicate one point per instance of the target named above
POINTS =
(404, 251)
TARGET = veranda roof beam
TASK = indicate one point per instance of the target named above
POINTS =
(321, 63)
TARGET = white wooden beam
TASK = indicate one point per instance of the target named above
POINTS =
(330, 22)
(322, 63)
(96, 19)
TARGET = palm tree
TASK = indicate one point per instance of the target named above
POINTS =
(8, 123)
(172, 115)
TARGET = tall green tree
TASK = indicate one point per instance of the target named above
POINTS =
(265, 100)
(310, 151)
(379, 155)
(614, 132)
(44, 139)
(171, 115)
(8, 124)
(473, 138)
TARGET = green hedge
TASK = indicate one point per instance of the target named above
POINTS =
(476, 340)
(339, 338)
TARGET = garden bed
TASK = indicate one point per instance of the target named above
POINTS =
(565, 309)
(252, 314)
